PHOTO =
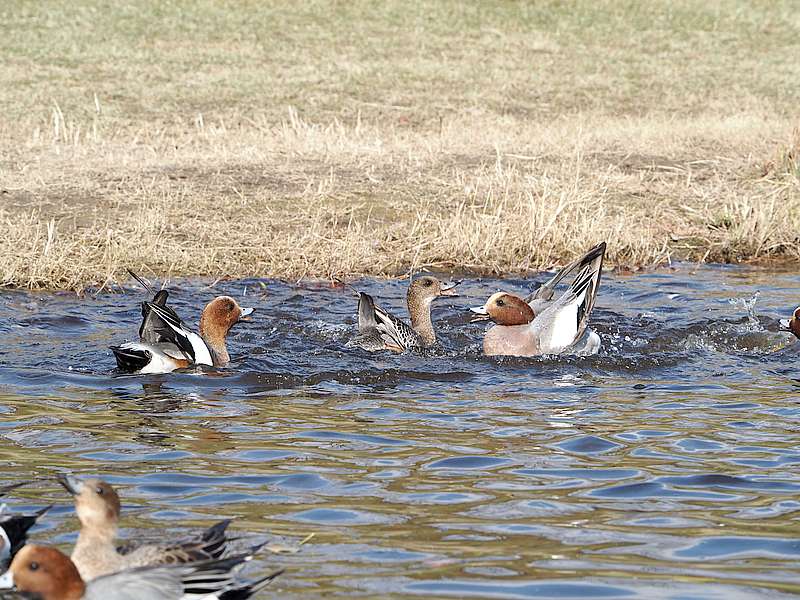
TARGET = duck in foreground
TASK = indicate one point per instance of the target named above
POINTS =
(167, 344)
(379, 330)
(47, 574)
(792, 324)
(98, 508)
(540, 324)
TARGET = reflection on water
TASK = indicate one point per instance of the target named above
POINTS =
(666, 467)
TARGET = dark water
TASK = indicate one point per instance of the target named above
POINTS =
(666, 467)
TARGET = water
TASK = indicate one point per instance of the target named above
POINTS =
(666, 467)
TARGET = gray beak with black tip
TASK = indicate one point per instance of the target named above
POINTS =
(448, 290)
(246, 312)
(72, 484)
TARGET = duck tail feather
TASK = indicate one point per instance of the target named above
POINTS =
(366, 312)
(131, 359)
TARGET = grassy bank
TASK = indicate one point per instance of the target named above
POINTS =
(332, 138)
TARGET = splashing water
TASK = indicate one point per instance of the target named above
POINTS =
(665, 467)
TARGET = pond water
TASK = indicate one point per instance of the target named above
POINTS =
(666, 467)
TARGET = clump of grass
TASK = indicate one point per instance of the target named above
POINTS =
(333, 200)
(443, 135)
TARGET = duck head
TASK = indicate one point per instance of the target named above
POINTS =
(792, 324)
(96, 503)
(504, 309)
(218, 317)
(44, 572)
(424, 289)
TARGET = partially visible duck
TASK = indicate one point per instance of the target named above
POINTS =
(543, 325)
(47, 574)
(96, 553)
(792, 324)
(167, 344)
(14, 533)
(379, 330)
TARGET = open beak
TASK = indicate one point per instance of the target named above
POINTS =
(448, 291)
(784, 324)
(246, 312)
(480, 314)
(72, 484)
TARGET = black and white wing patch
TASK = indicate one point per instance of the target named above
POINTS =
(396, 334)
(172, 330)
(150, 329)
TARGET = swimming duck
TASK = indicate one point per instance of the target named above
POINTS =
(379, 330)
(792, 324)
(167, 344)
(14, 533)
(98, 507)
(540, 324)
(47, 574)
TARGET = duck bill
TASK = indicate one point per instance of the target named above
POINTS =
(785, 324)
(479, 314)
(72, 484)
(449, 290)
(246, 312)
(7, 580)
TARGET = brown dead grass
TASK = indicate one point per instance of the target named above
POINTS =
(430, 167)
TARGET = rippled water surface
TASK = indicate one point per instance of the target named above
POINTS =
(666, 467)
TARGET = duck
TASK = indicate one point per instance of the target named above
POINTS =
(166, 344)
(792, 324)
(541, 324)
(380, 330)
(95, 554)
(47, 574)
(14, 533)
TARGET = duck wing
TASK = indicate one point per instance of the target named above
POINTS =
(151, 328)
(379, 330)
(171, 330)
(564, 321)
(204, 580)
(14, 532)
(366, 313)
(211, 544)
(544, 292)
(397, 335)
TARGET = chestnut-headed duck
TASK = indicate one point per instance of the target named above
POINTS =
(14, 533)
(96, 553)
(792, 324)
(47, 574)
(379, 330)
(540, 324)
(167, 344)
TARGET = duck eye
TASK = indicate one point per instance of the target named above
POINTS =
(500, 303)
(34, 566)
(99, 490)
(427, 283)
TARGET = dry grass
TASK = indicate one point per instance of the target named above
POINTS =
(493, 138)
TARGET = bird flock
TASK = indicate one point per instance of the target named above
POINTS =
(202, 567)
(206, 566)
